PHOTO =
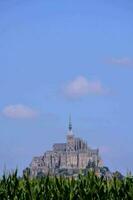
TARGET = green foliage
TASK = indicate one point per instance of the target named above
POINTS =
(90, 187)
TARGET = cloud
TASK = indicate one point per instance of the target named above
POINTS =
(104, 149)
(121, 61)
(81, 86)
(19, 112)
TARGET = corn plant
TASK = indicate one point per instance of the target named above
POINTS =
(88, 187)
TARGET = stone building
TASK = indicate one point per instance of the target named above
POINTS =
(74, 155)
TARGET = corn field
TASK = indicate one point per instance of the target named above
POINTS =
(88, 187)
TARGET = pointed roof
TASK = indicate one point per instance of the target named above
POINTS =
(70, 132)
(70, 123)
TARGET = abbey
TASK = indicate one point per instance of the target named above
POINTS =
(75, 154)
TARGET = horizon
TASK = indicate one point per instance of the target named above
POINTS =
(64, 57)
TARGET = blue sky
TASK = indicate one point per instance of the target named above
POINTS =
(61, 57)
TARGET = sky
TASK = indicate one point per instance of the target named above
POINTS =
(61, 57)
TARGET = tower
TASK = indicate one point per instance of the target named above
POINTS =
(70, 137)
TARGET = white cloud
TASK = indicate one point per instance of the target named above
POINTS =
(81, 86)
(104, 149)
(121, 61)
(19, 112)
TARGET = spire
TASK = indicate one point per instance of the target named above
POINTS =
(70, 124)
(70, 132)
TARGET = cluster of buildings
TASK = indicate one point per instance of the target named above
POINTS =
(66, 158)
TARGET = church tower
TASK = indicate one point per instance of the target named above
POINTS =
(70, 126)
(70, 137)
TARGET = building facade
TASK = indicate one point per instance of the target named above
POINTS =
(75, 154)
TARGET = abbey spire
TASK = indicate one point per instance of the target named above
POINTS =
(70, 132)
(70, 123)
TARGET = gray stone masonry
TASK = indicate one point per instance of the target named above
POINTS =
(72, 155)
